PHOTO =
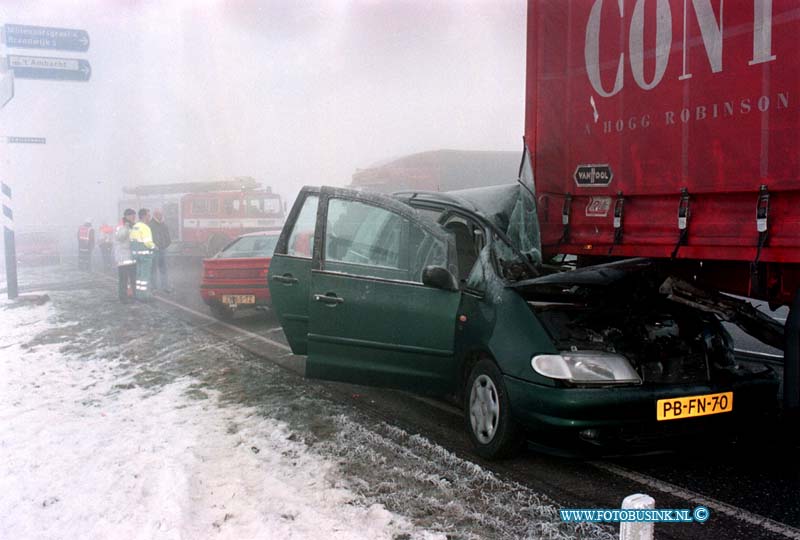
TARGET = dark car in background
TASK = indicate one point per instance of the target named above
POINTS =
(447, 294)
(236, 277)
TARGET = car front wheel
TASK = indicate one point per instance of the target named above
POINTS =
(491, 428)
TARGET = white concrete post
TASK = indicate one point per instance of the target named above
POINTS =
(637, 530)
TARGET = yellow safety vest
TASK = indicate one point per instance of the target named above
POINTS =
(141, 233)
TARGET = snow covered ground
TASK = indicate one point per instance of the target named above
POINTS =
(87, 455)
(126, 423)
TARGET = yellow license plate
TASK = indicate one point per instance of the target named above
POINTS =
(691, 406)
(235, 299)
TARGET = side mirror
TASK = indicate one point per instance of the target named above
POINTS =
(439, 278)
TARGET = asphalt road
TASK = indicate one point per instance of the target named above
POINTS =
(750, 484)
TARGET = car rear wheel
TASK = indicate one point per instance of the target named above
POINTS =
(491, 428)
(221, 312)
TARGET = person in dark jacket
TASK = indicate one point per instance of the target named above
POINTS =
(162, 241)
(106, 245)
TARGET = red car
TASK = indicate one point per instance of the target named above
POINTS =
(236, 277)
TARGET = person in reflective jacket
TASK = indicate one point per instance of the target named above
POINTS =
(142, 246)
(126, 266)
(85, 245)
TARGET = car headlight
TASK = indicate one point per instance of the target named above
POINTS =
(586, 367)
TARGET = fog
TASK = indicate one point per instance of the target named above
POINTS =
(289, 93)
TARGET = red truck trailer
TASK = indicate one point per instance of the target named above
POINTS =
(439, 170)
(670, 129)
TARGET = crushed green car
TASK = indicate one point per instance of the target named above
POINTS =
(447, 294)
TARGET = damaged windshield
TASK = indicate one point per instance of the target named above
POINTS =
(520, 254)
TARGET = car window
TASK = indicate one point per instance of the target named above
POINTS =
(204, 207)
(469, 241)
(523, 226)
(362, 234)
(476, 280)
(228, 207)
(254, 207)
(431, 214)
(271, 205)
(301, 240)
(250, 246)
(373, 241)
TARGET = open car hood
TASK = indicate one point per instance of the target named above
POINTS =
(584, 283)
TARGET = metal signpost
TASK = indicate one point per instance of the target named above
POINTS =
(44, 37)
(34, 67)
(8, 239)
(22, 36)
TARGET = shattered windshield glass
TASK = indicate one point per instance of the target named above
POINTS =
(521, 259)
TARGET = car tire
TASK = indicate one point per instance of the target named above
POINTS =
(487, 413)
(221, 312)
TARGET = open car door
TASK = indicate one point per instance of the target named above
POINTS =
(290, 269)
(372, 320)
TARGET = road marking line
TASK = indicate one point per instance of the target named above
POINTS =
(717, 506)
(213, 320)
(224, 324)
(441, 406)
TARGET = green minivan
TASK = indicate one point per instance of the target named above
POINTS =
(447, 294)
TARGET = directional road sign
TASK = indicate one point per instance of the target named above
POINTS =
(40, 67)
(26, 140)
(44, 37)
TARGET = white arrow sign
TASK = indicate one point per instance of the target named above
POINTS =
(67, 64)
(42, 67)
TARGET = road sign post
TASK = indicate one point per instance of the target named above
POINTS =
(45, 37)
(41, 67)
(8, 241)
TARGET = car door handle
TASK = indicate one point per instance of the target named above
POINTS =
(330, 299)
(288, 279)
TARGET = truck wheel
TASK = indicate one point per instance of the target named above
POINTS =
(487, 413)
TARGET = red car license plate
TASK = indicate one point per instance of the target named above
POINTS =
(236, 299)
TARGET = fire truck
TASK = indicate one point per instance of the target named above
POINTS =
(203, 217)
